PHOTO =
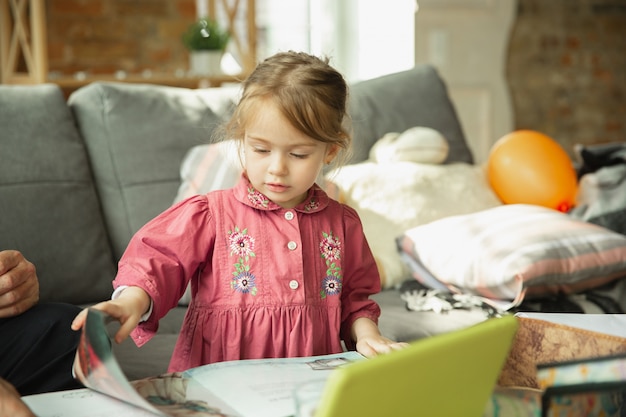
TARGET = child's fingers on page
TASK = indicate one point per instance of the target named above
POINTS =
(366, 349)
(124, 331)
(399, 345)
(113, 309)
(79, 320)
(382, 347)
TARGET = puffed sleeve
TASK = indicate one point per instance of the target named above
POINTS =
(361, 278)
(164, 254)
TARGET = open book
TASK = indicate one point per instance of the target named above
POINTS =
(245, 388)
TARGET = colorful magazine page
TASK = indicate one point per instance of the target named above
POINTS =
(575, 401)
(597, 370)
(163, 395)
(96, 367)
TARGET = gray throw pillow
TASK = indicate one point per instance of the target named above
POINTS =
(137, 136)
(396, 102)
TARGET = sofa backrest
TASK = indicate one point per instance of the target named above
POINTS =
(49, 208)
(136, 137)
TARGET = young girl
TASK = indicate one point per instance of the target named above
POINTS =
(277, 268)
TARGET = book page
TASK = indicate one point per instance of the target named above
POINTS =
(82, 402)
(162, 395)
(264, 387)
(96, 367)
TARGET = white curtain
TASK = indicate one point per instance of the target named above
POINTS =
(363, 38)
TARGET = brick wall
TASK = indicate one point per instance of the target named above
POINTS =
(566, 65)
(566, 69)
(105, 36)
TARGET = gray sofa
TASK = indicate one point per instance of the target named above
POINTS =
(79, 177)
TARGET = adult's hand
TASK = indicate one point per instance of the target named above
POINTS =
(19, 286)
(11, 405)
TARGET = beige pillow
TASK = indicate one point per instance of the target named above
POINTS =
(418, 144)
(396, 196)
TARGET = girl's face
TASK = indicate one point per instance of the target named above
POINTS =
(281, 162)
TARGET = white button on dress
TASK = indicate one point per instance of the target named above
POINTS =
(293, 284)
(292, 245)
(289, 215)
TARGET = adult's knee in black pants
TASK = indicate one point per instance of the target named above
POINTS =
(38, 348)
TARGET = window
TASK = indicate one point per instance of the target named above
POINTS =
(363, 38)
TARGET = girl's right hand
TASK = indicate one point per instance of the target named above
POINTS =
(128, 308)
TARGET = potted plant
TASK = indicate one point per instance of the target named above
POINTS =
(206, 42)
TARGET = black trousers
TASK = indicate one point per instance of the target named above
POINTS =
(37, 348)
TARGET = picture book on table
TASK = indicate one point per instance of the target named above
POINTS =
(597, 386)
(244, 388)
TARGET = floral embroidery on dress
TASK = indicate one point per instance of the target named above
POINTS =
(312, 205)
(257, 198)
(242, 245)
(330, 248)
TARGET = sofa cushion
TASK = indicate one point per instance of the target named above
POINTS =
(396, 102)
(516, 250)
(48, 203)
(137, 136)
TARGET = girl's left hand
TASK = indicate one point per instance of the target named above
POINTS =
(371, 346)
(369, 341)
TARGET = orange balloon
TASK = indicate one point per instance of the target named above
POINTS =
(528, 167)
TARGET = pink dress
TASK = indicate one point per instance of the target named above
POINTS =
(266, 281)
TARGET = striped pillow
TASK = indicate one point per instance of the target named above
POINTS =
(208, 167)
(512, 251)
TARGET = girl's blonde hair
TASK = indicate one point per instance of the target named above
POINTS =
(310, 93)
